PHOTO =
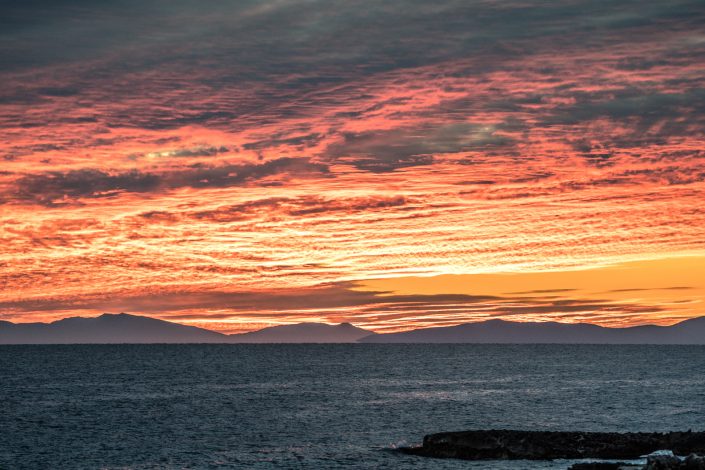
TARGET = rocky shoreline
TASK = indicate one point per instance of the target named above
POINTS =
(545, 445)
(663, 461)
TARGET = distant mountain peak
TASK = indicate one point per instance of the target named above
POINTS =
(107, 328)
(123, 315)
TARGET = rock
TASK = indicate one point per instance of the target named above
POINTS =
(543, 445)
(693, 462)
(662, 462)
(604, 466)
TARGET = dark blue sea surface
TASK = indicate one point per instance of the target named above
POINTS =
(323, 406)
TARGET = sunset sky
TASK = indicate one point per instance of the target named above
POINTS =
(240, 164)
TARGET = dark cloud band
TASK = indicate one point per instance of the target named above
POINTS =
(56, 188)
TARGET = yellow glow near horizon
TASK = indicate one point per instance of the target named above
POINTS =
(675, 285)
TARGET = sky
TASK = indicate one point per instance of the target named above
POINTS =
(393, 164)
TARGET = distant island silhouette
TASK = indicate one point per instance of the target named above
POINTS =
(107, 328)
(304, 333)
(135, 329)
(500, 331)
(125, 328)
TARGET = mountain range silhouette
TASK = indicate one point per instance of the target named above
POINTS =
(126, 328)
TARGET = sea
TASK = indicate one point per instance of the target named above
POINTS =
(324, 406)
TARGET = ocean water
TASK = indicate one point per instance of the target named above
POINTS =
(324, 406)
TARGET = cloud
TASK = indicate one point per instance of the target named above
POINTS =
(301, 142)
(381, 151)
(294, 207)
(190, 152)
(309, 47)
(339, 302)
(56, 188)
(648, 108)
(430, 138)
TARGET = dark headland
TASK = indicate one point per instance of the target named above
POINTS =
(545, 445)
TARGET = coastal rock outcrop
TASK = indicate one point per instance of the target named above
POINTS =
(670, 462)
(661, 461)
(546, 445)
(605, 466)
